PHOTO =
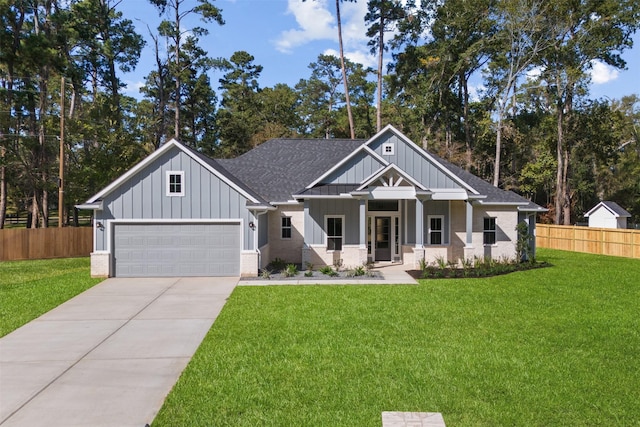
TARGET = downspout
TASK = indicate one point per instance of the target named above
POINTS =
(256, 236)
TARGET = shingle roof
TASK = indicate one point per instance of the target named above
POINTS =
(281, 167)
(217, 166)
(611, 206)
(494, 194)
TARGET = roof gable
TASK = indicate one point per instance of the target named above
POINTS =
(612, 207)
(391, 176)
(412, 160)
(357, 167)
(208, 164)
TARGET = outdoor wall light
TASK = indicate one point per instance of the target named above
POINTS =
(99, 225)
(252, 225)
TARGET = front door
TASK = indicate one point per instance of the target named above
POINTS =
(383, 238)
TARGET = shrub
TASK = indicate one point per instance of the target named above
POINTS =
(327, 269)
(266, 274)
(278, 264)
(359, 271)
(290, 271)
(441, 262)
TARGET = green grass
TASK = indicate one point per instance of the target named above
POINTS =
(546, 347)
(29, 289)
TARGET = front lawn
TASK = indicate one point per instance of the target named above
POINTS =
(29, 289)
(554, 346)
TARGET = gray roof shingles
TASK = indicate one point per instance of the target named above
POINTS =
(280, 168)
(616, 208)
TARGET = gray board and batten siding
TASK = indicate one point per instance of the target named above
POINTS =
(143, 197)
(407, 156)
(355, 170)
(315, 212)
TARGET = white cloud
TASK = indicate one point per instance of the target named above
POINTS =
(315, 22)
(534, 73)
(132, 87)
(357, 56)
(475, 92)
(602, 73)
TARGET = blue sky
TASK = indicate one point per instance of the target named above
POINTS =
(285, 36)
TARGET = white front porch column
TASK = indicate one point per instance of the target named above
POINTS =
(469, 240)
(306, 250)
(418, 250)
(419, 223)
(468, 247)
(363, 224)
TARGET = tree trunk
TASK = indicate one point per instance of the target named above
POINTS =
(176, 131)
(35, 213)
(566, 205)
(496, 164)
(465, 115)
(559, 170)
(3, 187)
(380, 63)
(344, 73)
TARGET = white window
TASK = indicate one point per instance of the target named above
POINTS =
(175, 183)
(436, 229)
(489, 232)
(334, 228)
(286, 227)
(388, 149)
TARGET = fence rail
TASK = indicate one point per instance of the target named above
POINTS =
(42, 243)
(603, 241)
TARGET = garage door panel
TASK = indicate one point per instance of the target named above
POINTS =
(148, 250)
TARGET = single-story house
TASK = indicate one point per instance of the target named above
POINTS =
(607, 214)
(318, 201)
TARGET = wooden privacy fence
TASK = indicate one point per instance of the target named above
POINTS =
(41, 243)
(604, 241)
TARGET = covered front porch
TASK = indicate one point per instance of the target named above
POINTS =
(388, 219)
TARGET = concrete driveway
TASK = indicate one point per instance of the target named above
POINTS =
(109, 356)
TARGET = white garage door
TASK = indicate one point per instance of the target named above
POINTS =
(165, 250)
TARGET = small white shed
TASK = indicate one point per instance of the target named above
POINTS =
(607, 214)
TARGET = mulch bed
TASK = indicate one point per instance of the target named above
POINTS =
(460, 273)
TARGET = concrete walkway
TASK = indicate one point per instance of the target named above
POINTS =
(109, 356)
(392, 274)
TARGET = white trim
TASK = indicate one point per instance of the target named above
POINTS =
(167, 183)
(442, 230)
(110, 225)
(97, 206)
(288, 202)
(480, 202)
(159, 152)
(494, 231)
(602, 204)
(324, 231)
(449, 194)
(386, 169)
(335, 196)
(289, 227)
(422, 152)
(392, 215)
